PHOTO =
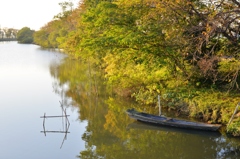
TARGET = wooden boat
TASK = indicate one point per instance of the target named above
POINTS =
(138, 125)
(165, 121)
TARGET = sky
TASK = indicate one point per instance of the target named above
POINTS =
(29, 13)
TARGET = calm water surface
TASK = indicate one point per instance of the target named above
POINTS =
(35, 81)
(26, 93)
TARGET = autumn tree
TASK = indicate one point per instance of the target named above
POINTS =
(191, 41)
(212, 33)
(54, 32)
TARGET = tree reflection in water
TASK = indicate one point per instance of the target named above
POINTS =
(109, 133)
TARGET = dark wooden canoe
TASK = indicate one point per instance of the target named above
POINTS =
(162, 120)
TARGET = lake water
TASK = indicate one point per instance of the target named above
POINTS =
(26, 93)
(34, 81)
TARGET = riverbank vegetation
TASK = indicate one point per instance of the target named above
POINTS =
(25, 35)
(186, 51)
(107, 121)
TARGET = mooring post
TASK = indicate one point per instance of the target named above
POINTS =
(159, 106)
(233, 114)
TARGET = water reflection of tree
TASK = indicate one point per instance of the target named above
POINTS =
(107, 136)
(140, 143)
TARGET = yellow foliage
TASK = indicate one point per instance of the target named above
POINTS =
(227, 66)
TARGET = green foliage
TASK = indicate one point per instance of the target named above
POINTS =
(47, 35)
(234, 129)
(229, 69)
(25, 35)
(67, 8)
(41, 38)
(55, 33)
(150, 47)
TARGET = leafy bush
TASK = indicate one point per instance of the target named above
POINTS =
(25, 35)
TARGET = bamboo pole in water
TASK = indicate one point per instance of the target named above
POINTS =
(233, 114)
(55, 132)
(54, 116)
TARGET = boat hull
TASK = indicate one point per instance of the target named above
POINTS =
(165, 121)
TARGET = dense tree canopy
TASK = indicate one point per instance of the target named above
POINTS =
(193, 39)
(25, 35)
(181, 49)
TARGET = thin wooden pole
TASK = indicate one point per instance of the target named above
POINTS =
(61, 105)
(159, 105)
(44, 119)
(57, 116)
(55, 132)
(233, 114)
(44, 124)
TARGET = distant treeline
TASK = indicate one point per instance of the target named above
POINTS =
(8, 39)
